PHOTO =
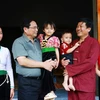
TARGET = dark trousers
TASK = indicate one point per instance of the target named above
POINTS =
(4, 89)
(29, 88)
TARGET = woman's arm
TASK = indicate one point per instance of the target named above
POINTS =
(97, 70)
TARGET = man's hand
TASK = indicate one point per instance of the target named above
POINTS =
(49, 64)
(64, 62)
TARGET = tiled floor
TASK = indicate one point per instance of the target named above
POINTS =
(61, 95)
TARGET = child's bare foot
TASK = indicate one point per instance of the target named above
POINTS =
(71, 87)
(66, 86)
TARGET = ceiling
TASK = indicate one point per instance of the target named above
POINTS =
(63, 12)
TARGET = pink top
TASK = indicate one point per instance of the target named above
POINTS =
(51, 42)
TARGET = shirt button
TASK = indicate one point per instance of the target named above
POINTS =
(74, 58)
(76, 51)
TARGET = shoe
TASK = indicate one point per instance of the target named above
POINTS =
(50, 96)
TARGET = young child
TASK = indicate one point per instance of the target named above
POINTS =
(66, 50)
(49, 44)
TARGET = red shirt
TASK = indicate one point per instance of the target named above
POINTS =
(64, 47)
(83, 69)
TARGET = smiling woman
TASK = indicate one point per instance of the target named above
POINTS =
(6, 73)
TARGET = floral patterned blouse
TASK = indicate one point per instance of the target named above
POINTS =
(53, 41)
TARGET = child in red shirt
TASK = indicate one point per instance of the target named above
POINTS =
(66, 50)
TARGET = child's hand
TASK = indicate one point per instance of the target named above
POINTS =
(77, 44)
(57, 63)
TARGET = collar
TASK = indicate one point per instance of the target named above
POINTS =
(27, 39)
(47, 38)
(86, 38)
(66, 43)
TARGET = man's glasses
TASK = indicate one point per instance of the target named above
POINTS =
(35, 27)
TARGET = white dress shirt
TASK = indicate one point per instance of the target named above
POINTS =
(5, 63)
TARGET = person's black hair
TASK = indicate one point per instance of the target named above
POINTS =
(51, 23)
(66, 31)
(25, 23)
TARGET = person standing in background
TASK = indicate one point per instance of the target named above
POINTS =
(6, 73)
(98, 66)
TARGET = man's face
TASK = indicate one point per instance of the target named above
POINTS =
(82, 29)
(32, 30)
